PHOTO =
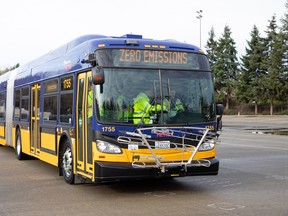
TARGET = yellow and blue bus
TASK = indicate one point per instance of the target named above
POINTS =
(114, 108)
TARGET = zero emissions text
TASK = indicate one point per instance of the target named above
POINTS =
(153, 56)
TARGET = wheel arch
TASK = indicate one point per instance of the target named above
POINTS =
(17, 128)
(64, 136)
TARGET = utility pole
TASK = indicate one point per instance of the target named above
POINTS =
(199, 16)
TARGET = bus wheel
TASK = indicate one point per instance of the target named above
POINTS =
(67, 163)
(18, 150)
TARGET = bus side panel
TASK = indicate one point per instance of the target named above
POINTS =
(49, 158)
(2, 133)
(2, 130)
(49, 145)
(48, 142)
(25, 139)
(2, 141)
(48, 139)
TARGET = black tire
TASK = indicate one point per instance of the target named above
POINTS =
(18, 147)
(67, 163)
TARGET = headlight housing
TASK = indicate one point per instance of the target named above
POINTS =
(106, 147)
(207, 145)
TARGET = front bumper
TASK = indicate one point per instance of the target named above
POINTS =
(107, 171)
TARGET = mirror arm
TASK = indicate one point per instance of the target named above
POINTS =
(90, 60)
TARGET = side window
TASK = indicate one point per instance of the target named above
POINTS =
(25, 103)
(17, 105)
(66, 100)
(2, 106)
(50, 111)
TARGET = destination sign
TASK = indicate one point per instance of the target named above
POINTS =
(144, 58)
(51, 86)
(151, 56)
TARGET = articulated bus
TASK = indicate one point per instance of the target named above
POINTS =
(114, 108)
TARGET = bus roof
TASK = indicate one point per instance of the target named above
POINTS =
(69, 56)
(4, 79)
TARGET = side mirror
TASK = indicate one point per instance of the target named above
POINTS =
(219, 112)
(98, 75)
(219, 109)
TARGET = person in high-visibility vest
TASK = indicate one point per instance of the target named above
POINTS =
(142, 109)
(90, 103)
(89, 115)
(173, 104)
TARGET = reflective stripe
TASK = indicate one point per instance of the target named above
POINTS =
(146, 108)
(138, 112)
(90, 104)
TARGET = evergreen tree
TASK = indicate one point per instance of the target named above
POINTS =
(284, 31)
(273, 83)
(226, 67)
(250, 82)
(264, 69)
(9, 69)
(284, 35)
(211, 48)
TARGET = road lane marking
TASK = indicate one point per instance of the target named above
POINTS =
(226, 206)
(253, 146)
(248, 138)
(160, 193)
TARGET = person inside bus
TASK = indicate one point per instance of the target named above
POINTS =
(90, 102)
(143, 109)
(173, 104)
(125, 110)
(89, 118)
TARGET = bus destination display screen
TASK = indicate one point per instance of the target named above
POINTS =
(152, 59)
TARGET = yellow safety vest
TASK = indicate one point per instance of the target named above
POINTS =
(142, 107)
(90, 104)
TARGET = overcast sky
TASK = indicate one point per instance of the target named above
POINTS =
(31, 28)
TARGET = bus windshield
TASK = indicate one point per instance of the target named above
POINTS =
(155, 96)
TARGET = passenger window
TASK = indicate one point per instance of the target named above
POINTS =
(50, 109)
(24, 103)
(24, 108)
(2, 106)
(66, 105)
(66, 100)
(17, 105)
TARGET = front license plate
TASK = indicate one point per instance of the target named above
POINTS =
(162, 145)
(133, 147)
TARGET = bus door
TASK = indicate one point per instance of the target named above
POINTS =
(84, 124)
(35, 117)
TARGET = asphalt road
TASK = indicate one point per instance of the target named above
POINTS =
(253, 180)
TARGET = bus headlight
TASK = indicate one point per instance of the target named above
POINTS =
(207, 145)
(109, 148)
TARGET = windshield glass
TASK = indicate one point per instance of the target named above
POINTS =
(149, 96)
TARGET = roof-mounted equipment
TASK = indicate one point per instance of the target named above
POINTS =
(90, 60)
